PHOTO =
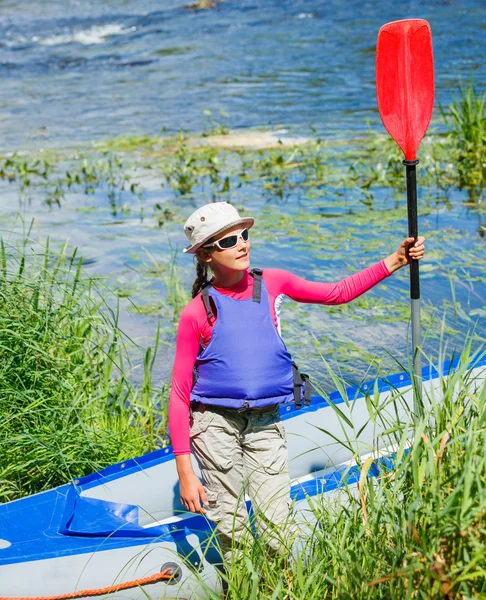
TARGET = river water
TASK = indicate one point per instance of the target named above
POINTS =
(73, 72)
(89, 69)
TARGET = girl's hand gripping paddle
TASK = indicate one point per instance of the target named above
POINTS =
(405, 93)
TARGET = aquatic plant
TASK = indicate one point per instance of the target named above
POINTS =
(380, 165)
(68, 406)
(181, 171)
(163, 213)
(213, 126)
(24, 169)
(189, 166)
(105, 172)
(53, 176)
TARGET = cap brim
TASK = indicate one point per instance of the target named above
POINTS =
(248, 221)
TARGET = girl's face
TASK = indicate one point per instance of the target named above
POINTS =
(231, 259)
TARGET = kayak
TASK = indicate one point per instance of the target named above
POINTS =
(122, 531)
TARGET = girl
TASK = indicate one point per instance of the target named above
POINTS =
(232, 371)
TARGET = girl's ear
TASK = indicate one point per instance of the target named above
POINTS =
(203, 255)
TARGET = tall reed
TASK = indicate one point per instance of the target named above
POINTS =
(67, 405)
(467, 120)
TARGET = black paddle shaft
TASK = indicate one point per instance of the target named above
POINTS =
(413, 224)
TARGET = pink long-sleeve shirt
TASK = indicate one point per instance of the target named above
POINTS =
(195, 329)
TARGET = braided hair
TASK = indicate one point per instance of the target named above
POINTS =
(202, 272)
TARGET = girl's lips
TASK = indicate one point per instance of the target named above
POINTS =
(242, 256)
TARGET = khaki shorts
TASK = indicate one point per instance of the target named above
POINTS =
(238, 454)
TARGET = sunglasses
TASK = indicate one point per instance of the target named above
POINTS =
(229, 241)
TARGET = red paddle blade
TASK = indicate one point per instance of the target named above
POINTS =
(405, 81)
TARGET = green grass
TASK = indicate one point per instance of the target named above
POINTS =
(67, 404)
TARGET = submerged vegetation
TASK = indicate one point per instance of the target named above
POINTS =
(85, 173)
(415, 529)
(68, 406)
(187, 165)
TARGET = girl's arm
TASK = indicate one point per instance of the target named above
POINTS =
(316, 292)
(187, 346)
(349, 288)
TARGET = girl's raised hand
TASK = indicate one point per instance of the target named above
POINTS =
(415, 251)
(407, 251)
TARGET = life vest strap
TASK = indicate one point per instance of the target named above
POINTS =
(257, 284)
(256, 296)
(301, 379)
(307, 388)
(297, 386)
(205, 299)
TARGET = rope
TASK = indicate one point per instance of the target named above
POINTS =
(164, 575)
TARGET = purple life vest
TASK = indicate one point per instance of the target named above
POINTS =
(246, 363)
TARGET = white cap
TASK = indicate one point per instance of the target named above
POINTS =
(209, 220)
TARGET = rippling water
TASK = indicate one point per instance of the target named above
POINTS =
(85, 70)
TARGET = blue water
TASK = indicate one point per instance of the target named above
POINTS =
(74, 71)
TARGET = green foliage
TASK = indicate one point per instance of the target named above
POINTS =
(23, 169)
(177, 294)
(467, 120)
(187, 167)
(274, 169)
(67, 405)
(181, 171)
(380, 164)
(163, 213)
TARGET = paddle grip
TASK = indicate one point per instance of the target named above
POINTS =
(413, 224)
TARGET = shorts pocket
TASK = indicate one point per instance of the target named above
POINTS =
(279, 426)
(214, 447)
(214, 512)
(276, 461)
(200, 421)
(267, 445)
